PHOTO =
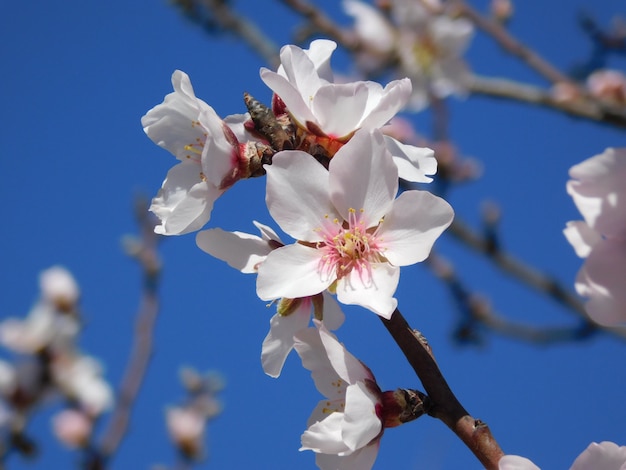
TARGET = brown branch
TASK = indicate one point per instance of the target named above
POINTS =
(146, 254)
(445, 406)
(584, 107)
(510, 44)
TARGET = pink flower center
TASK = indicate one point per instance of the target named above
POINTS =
(350, 246)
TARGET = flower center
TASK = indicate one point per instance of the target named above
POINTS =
(350, 246)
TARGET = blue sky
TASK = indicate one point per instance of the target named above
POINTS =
(78, 77)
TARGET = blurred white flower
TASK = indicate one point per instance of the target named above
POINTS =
(186, 428)
(603, 456)
(80, 377)
(598, 188)
(59, 287)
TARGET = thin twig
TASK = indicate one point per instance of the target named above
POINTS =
(445, 406)
(512, 45)
(147, 257)
(584, 107)
(525, 274)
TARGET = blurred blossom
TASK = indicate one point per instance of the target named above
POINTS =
(565, 93)
(598, 188)
(59, 287)
(186, 429)
(603, 456)
(502, 10)
(8, 379)
(80, 377)
(72, 428)
(44, 327)
(608, 85)
(429, 43)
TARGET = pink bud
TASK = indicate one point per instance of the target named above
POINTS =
(72, 428)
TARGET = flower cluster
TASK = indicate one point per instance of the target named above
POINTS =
(333, 186)
(426, 39)
(598, 188)
(52, 363)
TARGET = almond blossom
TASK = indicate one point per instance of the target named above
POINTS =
(598, 188)
(353, 235)
(346, 426)
(246, 252)
(330, 113)
(603, 456)
(428, 42)
(213, 155)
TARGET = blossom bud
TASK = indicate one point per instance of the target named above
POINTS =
(186, 428)
(59, 287)
(502, 10)
(72, 428)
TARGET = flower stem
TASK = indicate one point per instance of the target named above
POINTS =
(444, 404)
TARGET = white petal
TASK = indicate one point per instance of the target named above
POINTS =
(320, 52)
(410, 229)
(173, 123)
(413, 163)
(603, 456)
(291, 271)
(291, 96)
(362, 176)
(241, 251)
(599, 191)
(333, 316)
(280, 339)
(515, 462)
(312, 352)
(602, 279)
(339, 108)
(297, 194)
(267, 233)
(362, 459)
(374, 292)
(219, 156)
(184, 202)
(581, 237)
(387, 102)
(348, 367)
(361, 424)
(325, 436)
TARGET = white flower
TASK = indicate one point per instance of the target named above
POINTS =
(209, 154)
(80, 377)
(332, 112)
(345, 427)
(59, 287)
(44, 327)
(246, 252)
(599, 192)
(603, 456)
(353, 235)
(186, 428)
(429, 43)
